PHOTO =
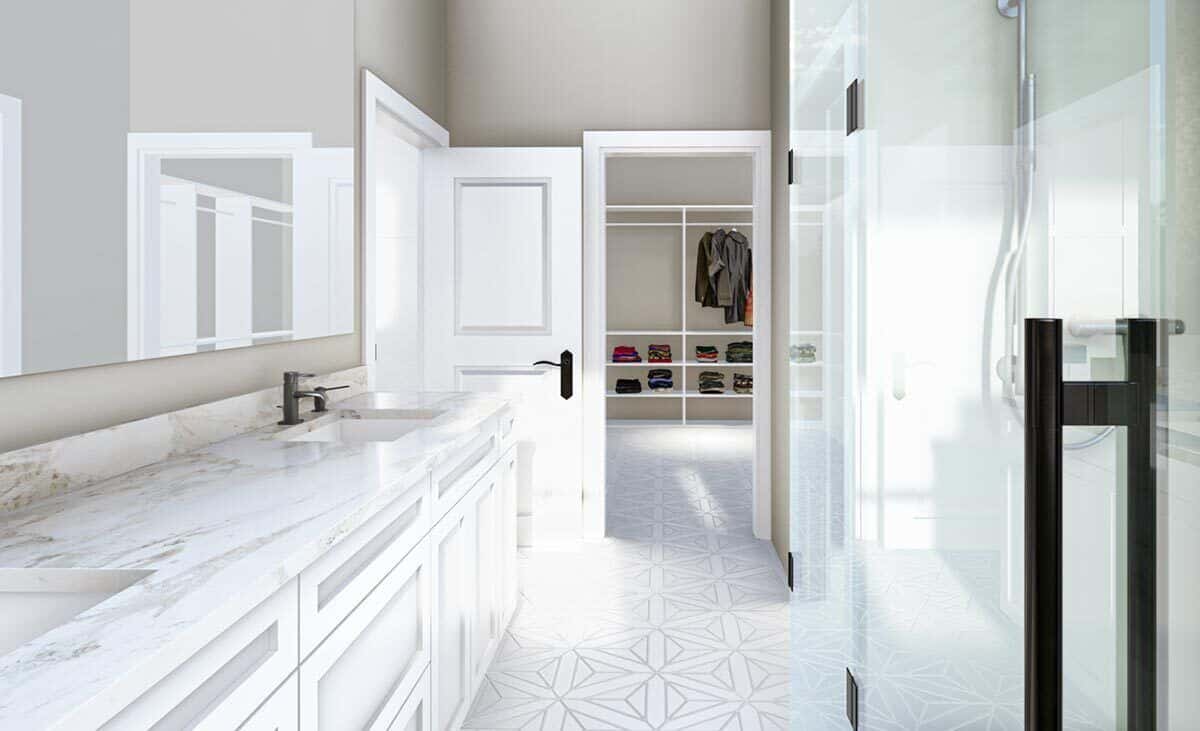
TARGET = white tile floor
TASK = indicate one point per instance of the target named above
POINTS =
(678, 621)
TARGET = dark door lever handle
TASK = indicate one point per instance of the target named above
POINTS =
(566, 376)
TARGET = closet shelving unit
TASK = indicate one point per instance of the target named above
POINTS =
(692, 221)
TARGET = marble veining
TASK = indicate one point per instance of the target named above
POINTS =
(222, 527)
(43, 470)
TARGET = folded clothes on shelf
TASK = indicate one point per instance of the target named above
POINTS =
(712, 382)
(804, 353)
(743, 383)
(661, 379)
(659, 353)
(629, 385)
(626, 354)
(706, 354)
(740, 352)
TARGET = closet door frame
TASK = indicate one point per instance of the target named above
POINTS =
(597, 148)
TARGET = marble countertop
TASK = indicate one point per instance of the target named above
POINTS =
(221, 528)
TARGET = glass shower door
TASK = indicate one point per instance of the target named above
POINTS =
(954, 228)
(1113, 234)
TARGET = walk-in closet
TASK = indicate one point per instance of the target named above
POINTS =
(678, 278)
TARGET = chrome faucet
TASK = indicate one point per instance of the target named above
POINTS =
(292, 396)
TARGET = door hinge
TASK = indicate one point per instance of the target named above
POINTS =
(851, 700)
(854, 111)
(791, 167)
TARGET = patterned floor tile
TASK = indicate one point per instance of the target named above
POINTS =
(677, 621)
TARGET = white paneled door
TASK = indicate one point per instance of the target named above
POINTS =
(502, 289)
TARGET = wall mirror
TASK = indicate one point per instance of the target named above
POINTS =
(175, 177)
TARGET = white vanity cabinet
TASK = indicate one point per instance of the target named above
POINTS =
(392, 628)
(360, 676)
(280, 712)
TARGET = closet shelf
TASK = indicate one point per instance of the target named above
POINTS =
(747, 332)
(617, 207)
(683, 364)
(728, 394)
(646, 394)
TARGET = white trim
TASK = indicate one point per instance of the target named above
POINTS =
(140, 218)
(597, 146)
(10, 236)
(381, 102)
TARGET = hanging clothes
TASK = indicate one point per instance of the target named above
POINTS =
(724, 273)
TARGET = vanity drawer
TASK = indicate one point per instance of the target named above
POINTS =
(361, 675)
(455, 475)
(335, 584)
(506, 422)
(221, 685)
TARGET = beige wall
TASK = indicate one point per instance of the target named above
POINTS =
(412, 60)
(780, 287)
(53, 405)
(539, 72)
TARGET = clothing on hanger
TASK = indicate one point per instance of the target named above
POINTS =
(724, 273)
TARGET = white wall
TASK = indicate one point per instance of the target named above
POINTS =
(539, 72)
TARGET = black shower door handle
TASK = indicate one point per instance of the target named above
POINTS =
(566, 375)
(1051, 404)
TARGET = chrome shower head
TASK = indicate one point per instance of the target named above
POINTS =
(1009, 8)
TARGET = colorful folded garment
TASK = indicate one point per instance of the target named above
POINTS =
(712, 382)
(661, 379)
(743, 383)
(629, 385)
(804, 353)
(626, 354)
(706, 354)
(659, 353)
(740, 352)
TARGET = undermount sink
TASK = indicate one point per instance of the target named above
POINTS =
(362, 426)
(35, 601)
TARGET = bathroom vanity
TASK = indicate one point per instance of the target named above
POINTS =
(355, 571)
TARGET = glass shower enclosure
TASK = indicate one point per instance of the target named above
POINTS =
(963, 167)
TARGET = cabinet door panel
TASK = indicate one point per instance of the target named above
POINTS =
(281, 712)
(509, 579)
(453, 586)
(362, 673)
(415, 714)
(484, 503)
